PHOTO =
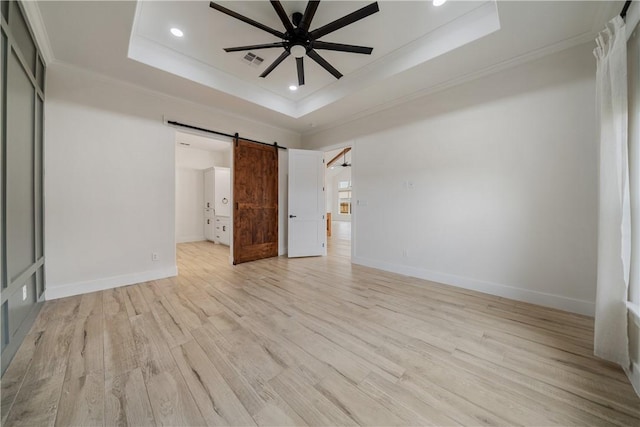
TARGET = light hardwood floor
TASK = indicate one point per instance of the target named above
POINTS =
(312, 341)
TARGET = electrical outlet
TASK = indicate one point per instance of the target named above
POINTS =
(24, 293)
(154, 256)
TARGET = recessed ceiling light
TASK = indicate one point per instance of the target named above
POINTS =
(177, 32)
(293, 87)
(439, 2)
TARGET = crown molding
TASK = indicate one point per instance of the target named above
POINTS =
(483, 72)
(32, 10)
(165, 96)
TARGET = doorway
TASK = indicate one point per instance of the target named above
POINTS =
(339, 200)
(203, 190)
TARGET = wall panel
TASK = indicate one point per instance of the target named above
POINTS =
(22, 77)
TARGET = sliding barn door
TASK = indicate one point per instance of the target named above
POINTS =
(255, 194)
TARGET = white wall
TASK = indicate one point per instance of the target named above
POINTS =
(110, 176)
(189, 205)
(504, 178)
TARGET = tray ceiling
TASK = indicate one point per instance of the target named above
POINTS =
(403, 35)
(104, 36)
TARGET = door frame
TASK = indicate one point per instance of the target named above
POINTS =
(175, 168)
(354, 205)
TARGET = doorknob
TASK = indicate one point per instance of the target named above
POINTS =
(292, 216)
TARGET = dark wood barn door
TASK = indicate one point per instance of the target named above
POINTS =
(255, 193)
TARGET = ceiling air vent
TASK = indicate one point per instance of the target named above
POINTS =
(252, 59)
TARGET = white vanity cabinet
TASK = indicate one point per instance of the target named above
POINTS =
(222, 234)
(217, 204)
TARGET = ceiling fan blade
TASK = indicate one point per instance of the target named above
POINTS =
(342, 47)
(323, 63)
(282, 15)
(246, 20)
(309, 12)
(275, 63)
(345, 20)
(300, 65)
(254, 46)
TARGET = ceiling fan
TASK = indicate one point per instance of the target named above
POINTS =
(298, 41)
(344, 163)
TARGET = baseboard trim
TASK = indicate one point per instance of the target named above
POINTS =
(189, 239)
(634, 376)
(540, 298)
(78, 288)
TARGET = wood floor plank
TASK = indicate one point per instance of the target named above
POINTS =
(119, 345)
(136, 304)
(308, 341)
(16, 372)
(244, 350)
(355, 403)
(114, 302)
(151, 349)
(82, 401)
(173, 326)
(36, 403)
(216, 400)
(238, 383)
(171, 400)
(52, 351)
(404, 403)
(273, 415)
(309, 403)
(348, 364)
(558, 400)
(290, 355)
(91, 304)
(86, 355)
(126, 401)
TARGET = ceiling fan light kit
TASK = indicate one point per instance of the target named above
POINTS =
(298, 40)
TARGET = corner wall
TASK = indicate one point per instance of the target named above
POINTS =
(110, 179)
(491, 185)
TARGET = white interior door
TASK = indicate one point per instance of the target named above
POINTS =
(307, 226)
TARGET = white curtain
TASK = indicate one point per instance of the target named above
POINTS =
(614, 230)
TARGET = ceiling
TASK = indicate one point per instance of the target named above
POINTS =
(418, 49)
(199, 55)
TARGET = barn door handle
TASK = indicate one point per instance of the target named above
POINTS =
(292, 216)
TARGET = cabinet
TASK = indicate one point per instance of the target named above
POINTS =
(222, 234)
(222, 187)
(209, 189)
(209, 229)
(217, 204)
